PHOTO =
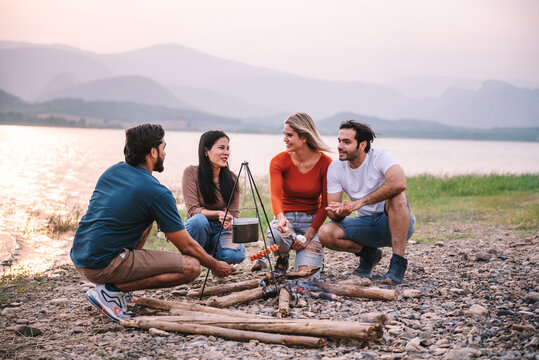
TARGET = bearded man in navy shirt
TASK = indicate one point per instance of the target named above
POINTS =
(108, 245)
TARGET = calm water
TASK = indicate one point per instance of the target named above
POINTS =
(53, 170)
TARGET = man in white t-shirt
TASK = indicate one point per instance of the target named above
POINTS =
(375, 184)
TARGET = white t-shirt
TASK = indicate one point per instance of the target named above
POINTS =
(357, 183)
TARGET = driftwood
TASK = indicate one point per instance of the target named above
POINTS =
(361, 292)
(225, 288)
(170, 305)
(284, 303)
(227, 333)
(236, 298)
(322, 328)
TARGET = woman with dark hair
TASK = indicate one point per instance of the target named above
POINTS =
(206, 191)
(298, 194)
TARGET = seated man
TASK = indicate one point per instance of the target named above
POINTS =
(107, 248)
(375, 184)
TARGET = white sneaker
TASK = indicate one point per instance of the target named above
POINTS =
(111, 303)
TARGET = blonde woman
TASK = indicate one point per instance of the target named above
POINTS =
(298, 194)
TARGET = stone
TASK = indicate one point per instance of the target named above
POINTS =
(482, 256)
(25, 330)
(476, 310)
(411, 293)
(9, 312)
(462, 354)
(158, 332)
(532, 297)
(413, 345)
(59, 301)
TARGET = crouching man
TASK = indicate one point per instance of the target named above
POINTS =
(108, 245)
(375, 184)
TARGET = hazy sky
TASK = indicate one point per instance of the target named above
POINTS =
(373, 40)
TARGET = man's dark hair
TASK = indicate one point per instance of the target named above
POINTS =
(205, 170)
(139, 141)
(363, 132)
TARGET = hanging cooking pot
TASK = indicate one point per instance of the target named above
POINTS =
(244, 230)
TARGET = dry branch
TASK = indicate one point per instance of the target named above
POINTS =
(322, 328)
(227, 333)
(225, 288)
(236, 298)
(361, 292)
(169, 305)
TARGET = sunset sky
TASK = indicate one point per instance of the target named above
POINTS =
(375, 41)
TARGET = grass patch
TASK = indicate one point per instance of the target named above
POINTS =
(59, 223)
(510, 200)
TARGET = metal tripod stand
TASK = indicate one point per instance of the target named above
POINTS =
(254, 189)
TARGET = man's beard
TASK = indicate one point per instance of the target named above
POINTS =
(159, 163)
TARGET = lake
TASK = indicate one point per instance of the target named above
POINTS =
(46, 170)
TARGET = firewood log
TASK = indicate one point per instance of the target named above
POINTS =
(361, 292)
(322, 328)
(225, 288)
(168, 305)
(236, 298)
(284, 303)
(233, 334)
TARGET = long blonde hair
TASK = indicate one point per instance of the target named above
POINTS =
(304, 126)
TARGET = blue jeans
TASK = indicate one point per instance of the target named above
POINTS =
(313, 254)
(206, 233)
(371, 230)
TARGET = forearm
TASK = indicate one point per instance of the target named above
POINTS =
(387, 190)
(187, 246)
(210, 214)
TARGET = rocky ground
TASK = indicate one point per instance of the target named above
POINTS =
(474, 297)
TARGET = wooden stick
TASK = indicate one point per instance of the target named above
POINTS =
(226, 333)
(322, 328)
(284, 303)
(169, 305)
(361, 292)
(236, 298)
(225, 288)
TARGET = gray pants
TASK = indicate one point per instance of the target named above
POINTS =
(313, 254)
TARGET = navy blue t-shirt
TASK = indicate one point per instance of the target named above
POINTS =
(126, 200)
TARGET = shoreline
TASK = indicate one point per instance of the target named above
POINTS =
(447, 277)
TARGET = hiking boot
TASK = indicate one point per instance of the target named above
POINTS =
(281, 266)
(397, 268)
(111, 303)
(368, 259)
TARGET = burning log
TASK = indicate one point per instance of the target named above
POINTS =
(284, 303)
(236, 298)
(361, 292)
(322, 328)
(225, 288)
(227, 333)
(170, 305)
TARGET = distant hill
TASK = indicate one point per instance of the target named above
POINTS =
(410, 128)
(220, 86)
(122, 113)
(26, 71)
(495, 104)
(135, 89)
(80, 113)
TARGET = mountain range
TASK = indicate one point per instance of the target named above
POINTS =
(187, 81)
